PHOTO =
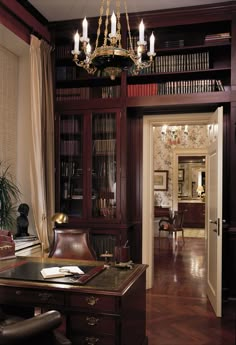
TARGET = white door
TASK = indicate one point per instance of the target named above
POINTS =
(214, 214)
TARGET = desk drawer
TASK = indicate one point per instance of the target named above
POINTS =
(93, 303)
(11, 295)
(86, 323)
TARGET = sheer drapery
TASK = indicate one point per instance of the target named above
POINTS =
(42, 156)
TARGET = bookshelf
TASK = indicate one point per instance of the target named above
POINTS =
(87, 160)
(195, 58)
(192, 68)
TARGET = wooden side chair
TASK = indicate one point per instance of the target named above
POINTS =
(72, 244)
(173, 225)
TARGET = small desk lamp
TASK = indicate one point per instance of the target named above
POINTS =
(60, 218)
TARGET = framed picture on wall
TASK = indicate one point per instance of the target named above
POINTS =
(160, 180)
(180, 188)
(181, 175)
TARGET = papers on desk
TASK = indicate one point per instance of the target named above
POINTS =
(55, 272)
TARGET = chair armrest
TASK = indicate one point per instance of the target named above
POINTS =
(31, 327)
(60, 339)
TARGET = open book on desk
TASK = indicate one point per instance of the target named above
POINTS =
(56, 272)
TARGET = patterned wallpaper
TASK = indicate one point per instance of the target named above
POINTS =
(8, 107)
(163, 155)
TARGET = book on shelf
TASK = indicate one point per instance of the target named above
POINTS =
(63, 51)
(57, 272)
(173, 44)
(217, 38)
(70, 147)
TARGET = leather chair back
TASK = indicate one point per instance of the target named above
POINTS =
(72, 244)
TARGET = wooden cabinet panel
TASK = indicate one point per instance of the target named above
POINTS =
(29, 296)
(161, 212)
(194, 214)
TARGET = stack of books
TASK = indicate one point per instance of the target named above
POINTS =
(222, 37)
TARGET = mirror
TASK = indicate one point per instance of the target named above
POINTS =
(191, 177)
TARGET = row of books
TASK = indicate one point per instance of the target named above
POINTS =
(222, 37)
(69, 94)
(70, 147)
(175, 87)
(189, 86)
(182, 86)
(104, 125)
(71, 125)
(104, 146)
(178, 63)
(71, 191)
(142, 89)
(69, 169)
(181, 62)
(162, 44)
(63, 52)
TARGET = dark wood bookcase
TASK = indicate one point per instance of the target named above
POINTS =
(193, 70)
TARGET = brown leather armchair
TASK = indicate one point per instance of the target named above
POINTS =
(7, 244)
(72, 244)
(37, 330)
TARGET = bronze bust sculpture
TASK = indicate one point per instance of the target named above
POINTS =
(22, 221)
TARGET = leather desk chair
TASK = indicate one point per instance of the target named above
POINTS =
(37, 330)
(72, 244)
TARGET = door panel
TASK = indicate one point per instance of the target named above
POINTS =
(214, 218)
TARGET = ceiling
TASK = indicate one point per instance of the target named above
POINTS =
(56, 10)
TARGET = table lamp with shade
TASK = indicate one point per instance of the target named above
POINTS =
(200, 190)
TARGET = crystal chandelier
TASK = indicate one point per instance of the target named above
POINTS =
(110, 57)
(172, 134)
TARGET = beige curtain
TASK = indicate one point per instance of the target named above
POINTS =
(42, 153)
(48, 132)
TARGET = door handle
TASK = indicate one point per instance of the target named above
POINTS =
(216, 222)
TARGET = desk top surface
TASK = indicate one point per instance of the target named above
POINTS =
(25, 272)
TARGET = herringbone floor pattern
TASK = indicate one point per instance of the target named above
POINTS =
(178, 312)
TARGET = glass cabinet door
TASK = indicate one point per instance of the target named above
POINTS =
(104, 165)
(71, 165)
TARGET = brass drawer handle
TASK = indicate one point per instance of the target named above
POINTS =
(91, 300)
(18, 292)
(92, 321)
(44, 296)
(91, 340)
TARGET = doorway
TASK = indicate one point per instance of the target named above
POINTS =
(148, 196)
(189, 192)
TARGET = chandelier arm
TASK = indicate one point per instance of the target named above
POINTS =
(106, 23)
(128, 27)
(99, 23)
(118, 23)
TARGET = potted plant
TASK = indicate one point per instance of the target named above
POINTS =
(9, 195)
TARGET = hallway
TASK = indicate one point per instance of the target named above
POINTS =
(178, 312)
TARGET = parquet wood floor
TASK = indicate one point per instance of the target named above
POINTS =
(178, 311)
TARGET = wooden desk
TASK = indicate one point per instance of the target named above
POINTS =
(110, 309)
